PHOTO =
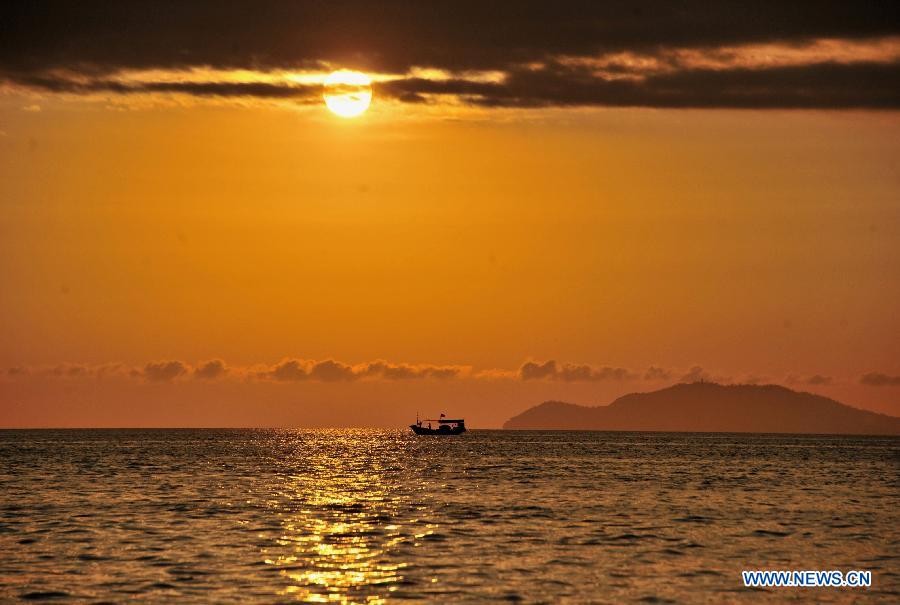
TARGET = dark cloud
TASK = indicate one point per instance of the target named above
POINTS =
(571, 372)
(394, 35)
(331, 371)
(70, 370)
(878, 379)
(535, 371)
(827, 85)
(211, 370)
(609, 373)
(163, 371)
(414, 89)
(574, 373)
(655, 373)
(264, 90)
(812, 380)
(77, 47)
(393, 371)
(73, 370)
(289, 369)
(108, 370)
(824, 85)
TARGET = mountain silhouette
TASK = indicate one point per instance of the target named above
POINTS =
(711, 407)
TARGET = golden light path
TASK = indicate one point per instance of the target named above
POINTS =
(348, 520)
(347, 93)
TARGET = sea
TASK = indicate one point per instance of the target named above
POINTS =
(377, 516)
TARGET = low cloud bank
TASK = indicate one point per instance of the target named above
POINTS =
(572, 372)
(286, 370)
(878, 379)
(331, 370)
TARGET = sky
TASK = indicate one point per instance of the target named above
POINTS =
(568, 201)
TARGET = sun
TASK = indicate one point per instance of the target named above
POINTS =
(347, 93)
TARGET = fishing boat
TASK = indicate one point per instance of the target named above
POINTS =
(445, 426)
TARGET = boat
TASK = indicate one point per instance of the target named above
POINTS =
(445, 426)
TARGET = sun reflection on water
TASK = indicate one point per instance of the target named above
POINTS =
(262, 516)
(338, 542)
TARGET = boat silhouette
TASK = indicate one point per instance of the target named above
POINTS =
(445, 426)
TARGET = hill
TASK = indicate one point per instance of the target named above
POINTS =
(711, 407)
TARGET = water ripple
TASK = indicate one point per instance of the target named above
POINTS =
(353, 516)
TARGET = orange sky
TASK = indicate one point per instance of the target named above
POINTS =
(757, 245)
(189, 238)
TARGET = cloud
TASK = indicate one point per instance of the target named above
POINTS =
(828, 54)
(754, 379)
(450, 34)
(571, 372)
(289, 369)
(695, 374)
(812, 380)
(70, 370)
(391, 372)
(109, 370)
(330, 370)
(825, 86)
(878, 379)
(535, 371)
(442, 372)
(655, 373)
(402, 371)
(66, 83)
(211, 370)
(698, 374)
(335, 371)
(555, 84)
(163, 371)
(495, 374)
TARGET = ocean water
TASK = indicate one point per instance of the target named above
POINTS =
(366, 516)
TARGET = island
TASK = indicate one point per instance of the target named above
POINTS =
(712, 407)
